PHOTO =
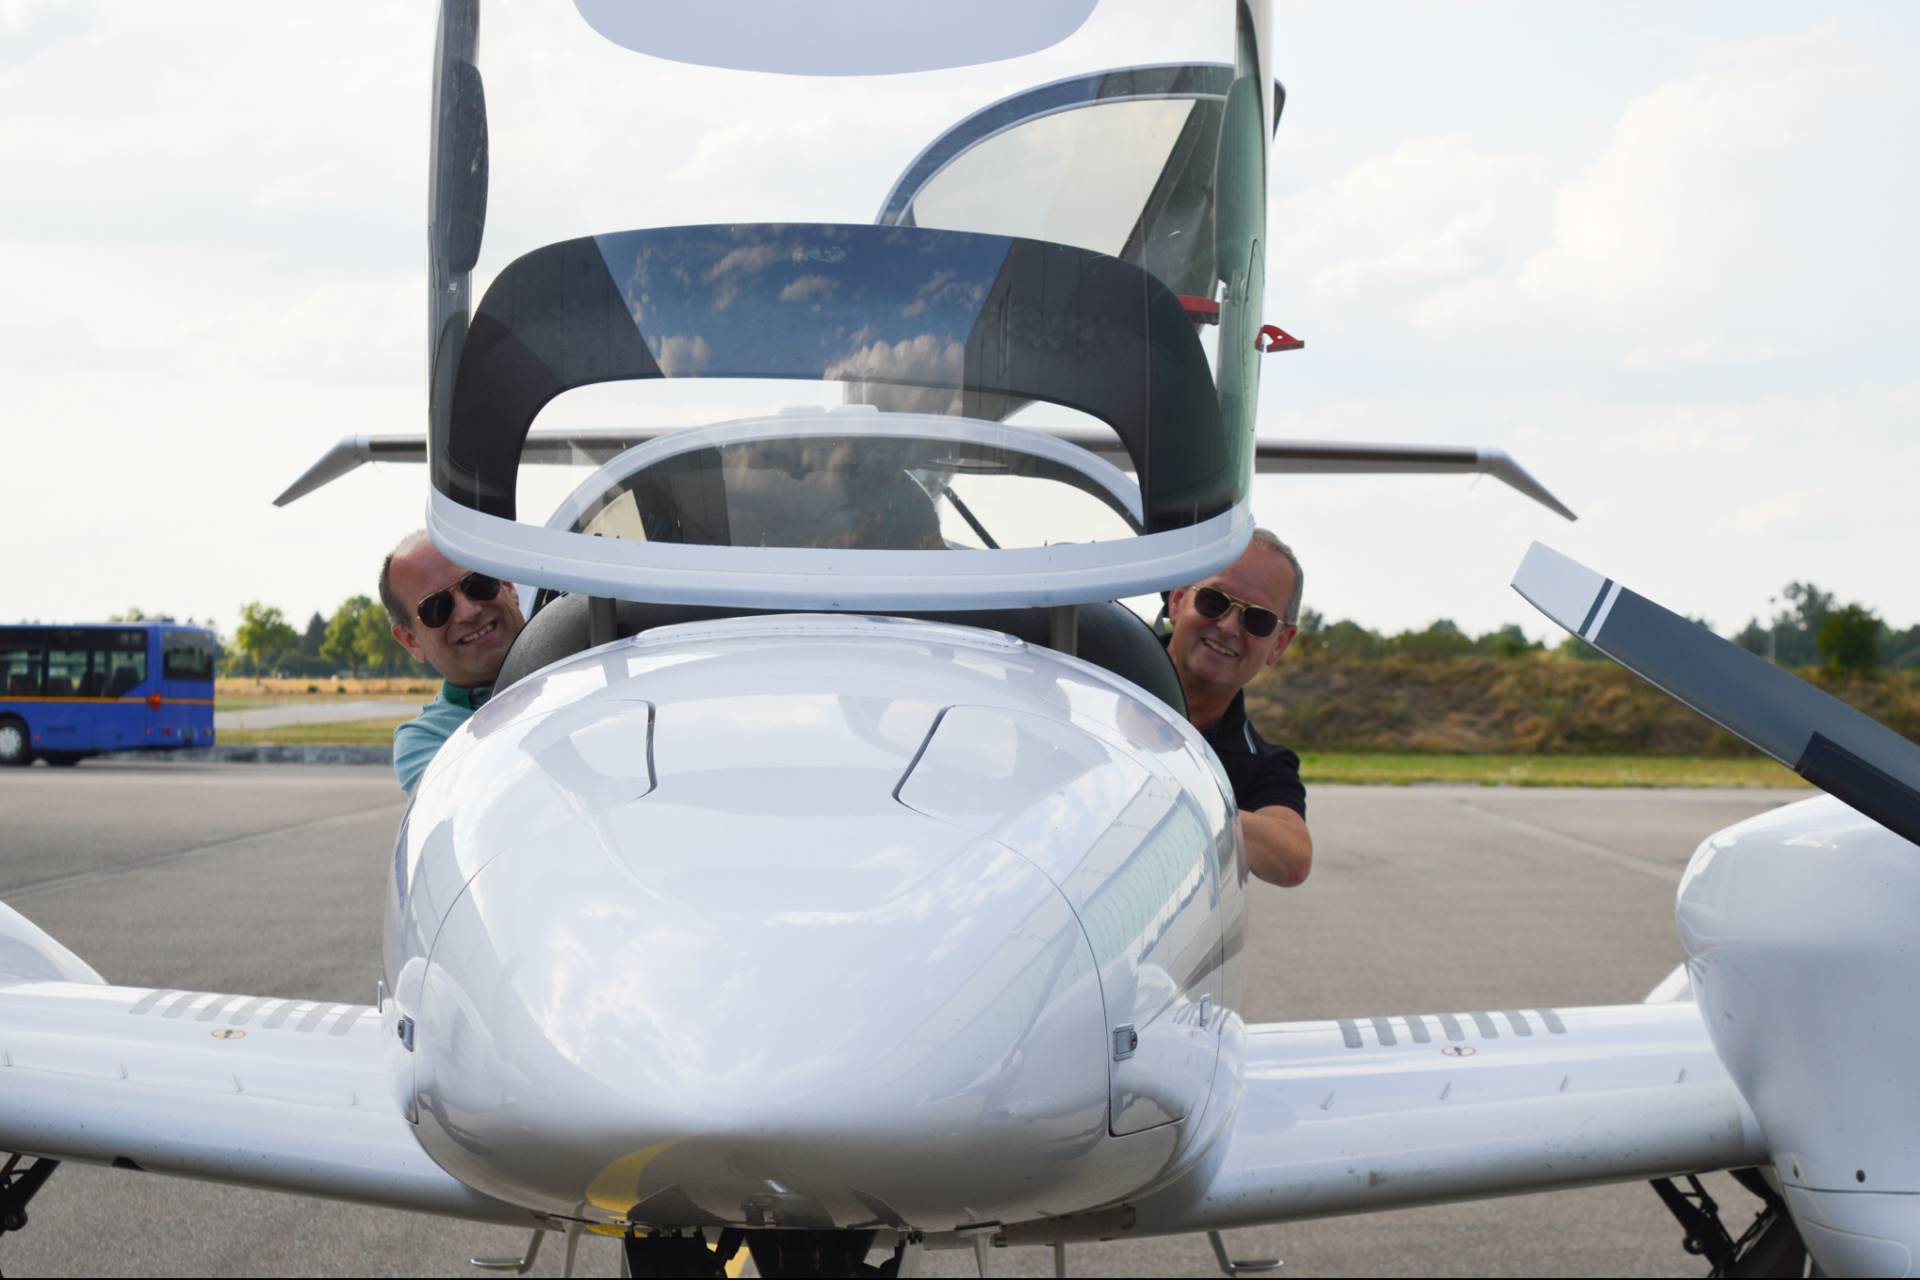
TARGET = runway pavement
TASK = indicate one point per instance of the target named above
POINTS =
(267, 880)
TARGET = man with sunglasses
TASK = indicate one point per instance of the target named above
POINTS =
(1225, 631)
(457, 622)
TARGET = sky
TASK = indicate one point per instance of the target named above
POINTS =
(1662, 256)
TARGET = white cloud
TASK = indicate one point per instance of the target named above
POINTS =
(1753, 519)
(1701, 235)
(1432, 210)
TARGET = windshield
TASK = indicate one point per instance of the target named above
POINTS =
(775, 484)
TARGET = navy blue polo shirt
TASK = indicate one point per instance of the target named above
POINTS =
(1261, 773)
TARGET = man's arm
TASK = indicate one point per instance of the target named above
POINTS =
(1279, 846)
(415, 744)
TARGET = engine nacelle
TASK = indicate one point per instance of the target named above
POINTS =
(1800, 928)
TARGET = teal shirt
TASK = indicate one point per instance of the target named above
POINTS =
(416, 742)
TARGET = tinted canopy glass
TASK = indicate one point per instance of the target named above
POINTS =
(952, 323)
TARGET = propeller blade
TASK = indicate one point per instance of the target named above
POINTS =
(1846, 753)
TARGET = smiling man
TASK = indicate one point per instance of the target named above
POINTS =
(457, 622)
(1225, 631)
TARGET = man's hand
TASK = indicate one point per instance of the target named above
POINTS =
(1279, 846)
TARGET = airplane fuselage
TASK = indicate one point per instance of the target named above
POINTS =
(818, 921)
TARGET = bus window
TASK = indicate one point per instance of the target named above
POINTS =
(67, 665)
(188, 656)
(20, 671)
(119, 662)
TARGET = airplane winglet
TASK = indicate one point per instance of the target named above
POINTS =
(336, 462)
(1845, 752)
(1498, 464)
(1329, 457)
(588, 447)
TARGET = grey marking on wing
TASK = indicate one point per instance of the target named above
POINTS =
(245, 1012)
(284, 1012)
(179, 1006)
(213, 1008)
(348, 1020)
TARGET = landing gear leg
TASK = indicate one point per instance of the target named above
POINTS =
(680, 1255)
(1771, 1246)
(825, 1253)
(18, 1186)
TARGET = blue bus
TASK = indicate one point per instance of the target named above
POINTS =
(67, 692)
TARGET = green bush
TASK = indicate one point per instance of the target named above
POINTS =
(1849, 640)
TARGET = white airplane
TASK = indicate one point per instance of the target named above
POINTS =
(835, 874)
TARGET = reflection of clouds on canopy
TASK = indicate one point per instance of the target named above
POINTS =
(928, 365)
(747, 260)
(808, 286)
(736, 265)
(681, 356)
(638, 290)
(943, 288)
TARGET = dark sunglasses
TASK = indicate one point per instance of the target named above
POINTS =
(1211, 603)
(434, 610)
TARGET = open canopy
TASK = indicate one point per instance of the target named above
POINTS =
(1042, 261)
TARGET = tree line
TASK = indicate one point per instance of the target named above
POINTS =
(355, 640)
(1812, 630)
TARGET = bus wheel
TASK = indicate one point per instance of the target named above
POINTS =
(14, 745)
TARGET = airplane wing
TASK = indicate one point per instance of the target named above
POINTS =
(593, 446)
(289, 1095)
(1362, 1114)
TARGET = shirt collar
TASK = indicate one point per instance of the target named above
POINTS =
(1233, 720)
(471, 698)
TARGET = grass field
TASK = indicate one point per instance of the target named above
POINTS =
(1376, 768)
(1399, 769)
(355, 733)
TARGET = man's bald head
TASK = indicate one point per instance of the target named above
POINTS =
(399, 612)
(468, 648)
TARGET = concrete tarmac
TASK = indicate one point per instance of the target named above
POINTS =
(267, 880)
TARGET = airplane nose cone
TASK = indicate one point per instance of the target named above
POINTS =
(699, 1008)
